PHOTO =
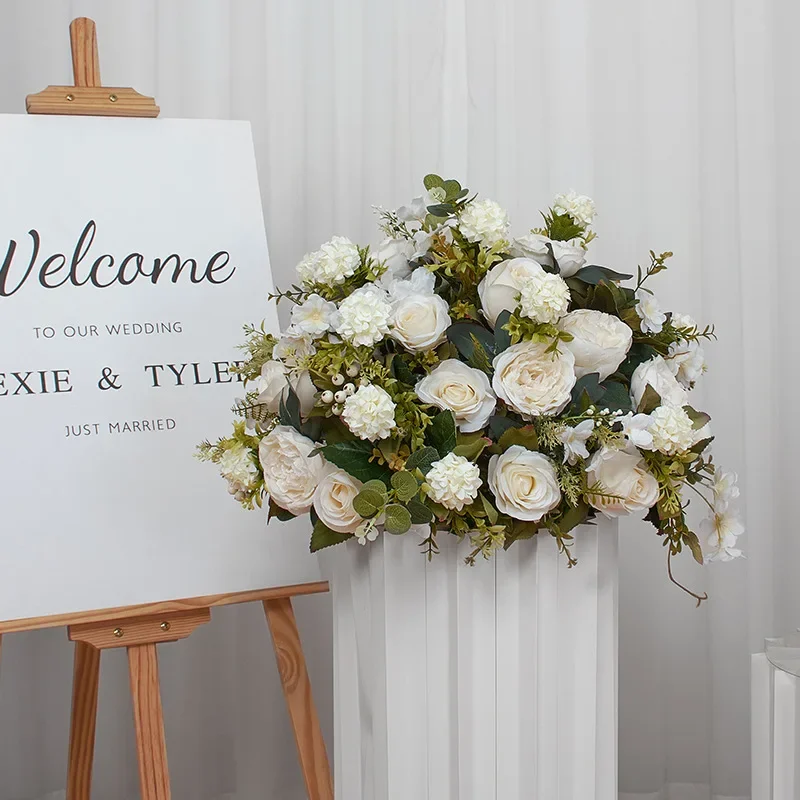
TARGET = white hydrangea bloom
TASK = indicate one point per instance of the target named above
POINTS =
(364, 316)
(238, 467)
(335, 261)
(453, 481)
(721, 532)
(672, 430)
(315, 316)
(687, 362)
(649, 311)
(574, 441)
(580, 207)
(484, 221)
(369, 413)
(544, 297)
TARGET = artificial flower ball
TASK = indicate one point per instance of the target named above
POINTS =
(532, 381)
(524, 483)
(291, 472)
(237, 467)
(369, 413)
(453, 481)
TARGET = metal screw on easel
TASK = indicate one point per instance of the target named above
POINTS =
(119, 633)
(70, 97)
(165, 626)
(112, 98)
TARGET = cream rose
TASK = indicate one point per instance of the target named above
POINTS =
(533, 382)
(623, 475)
(500, 289)
(291, 473)
(464, 390)
(419, 321)
(524, 483)
(333, 500)
(656, 373)
(599, 343)
(570, 256)
(273, 381)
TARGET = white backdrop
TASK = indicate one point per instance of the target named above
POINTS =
(679, 118)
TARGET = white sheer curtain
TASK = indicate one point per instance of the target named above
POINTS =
(679, 118)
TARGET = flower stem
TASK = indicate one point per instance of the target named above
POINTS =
(697, 597)
(702, 497)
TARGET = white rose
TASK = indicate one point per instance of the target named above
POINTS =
(270, 385)
(687, 362)
(465, 391)
(623, 475)
(291, 473)
(570, 256)
(333, 501)
(657, 374)
(419, 321)
(501, 287)
(524, 484)
(532, 381)
(599, 343)
(395, 253)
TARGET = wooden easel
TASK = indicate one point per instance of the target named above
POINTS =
(141, 628)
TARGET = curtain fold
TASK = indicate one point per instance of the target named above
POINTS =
(679, 118)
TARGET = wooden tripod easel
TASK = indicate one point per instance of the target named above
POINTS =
(141, 628)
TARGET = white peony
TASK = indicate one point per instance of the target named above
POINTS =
(464, 390)
(483, 221)
(369, 413)
(672, 430)
(574, 440)
(291, 472)
(657, 374)
(524, 483)
(532, 381)
(501, 286)
(419, 317)
(687, 362)
(544, 297)
(335, 261)
(720, 532)
(453, 481)
(649, 311)
(600, 342)
(364, 316)
(238, 467)
(570, 256)
(580, 207)
(333, 500)
(622, 477)
(293, 347)
(315, 316)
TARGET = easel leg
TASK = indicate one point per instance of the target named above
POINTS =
(149, 721)
(85, 682)
(297, 690)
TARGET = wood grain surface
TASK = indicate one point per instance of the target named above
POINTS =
(149, 629)
(299, 699)
(83, 721)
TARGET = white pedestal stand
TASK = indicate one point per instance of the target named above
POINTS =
(492, 682)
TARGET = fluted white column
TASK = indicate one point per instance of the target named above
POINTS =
(492, 682)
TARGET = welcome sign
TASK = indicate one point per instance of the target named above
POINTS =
(131, 254)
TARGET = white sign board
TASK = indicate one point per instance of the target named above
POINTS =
(132, 252)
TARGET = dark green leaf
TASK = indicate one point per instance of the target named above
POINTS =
(502, 338)
(442, 432)
(420, 513)
(690, 539)
(441, 209)
(521, 530)
(651, 400)
(525, 436)
(422, 459)
(402, 371)
(354, 458)
(322, 536)
(471, 445)
(593, 274)
(638, 354)
(398, 519)
(614, 397)
(563, 227)
(461, 335)
(498, 425)
(334, 430)
(289, 409)
(698, 418)
(431, 180)
(701, 445)
(279, 513)
(573, 517)
(585, 392)
(452, 189)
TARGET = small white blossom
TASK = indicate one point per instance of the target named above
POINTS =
(580, 207)
(725, 490)
(367, 531)
(238, 467)
(293, 346)
(335, 261)
(649, 312)
(684, 322)
(687, 362)
(721, 530)
(672, 430)
(315, 316)
(544, 297)
(369, 413)
(484, 221)
(364, 316)
(453, 481)
(574, 441)
(635, 430)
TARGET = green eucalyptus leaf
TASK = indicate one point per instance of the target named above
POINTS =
(422, 459)
(405, 485)
(376, 486)
(429, 181)
(452, 189)
(441, 209)
(398, 519)
(367, 503)
(420, 513)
